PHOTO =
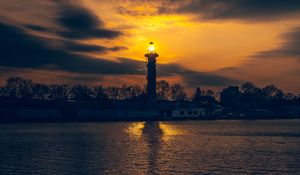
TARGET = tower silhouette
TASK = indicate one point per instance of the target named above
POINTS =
(151, 74)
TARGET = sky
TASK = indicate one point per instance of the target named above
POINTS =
(206, 43)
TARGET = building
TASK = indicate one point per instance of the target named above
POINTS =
(151, 74)
(181, 113)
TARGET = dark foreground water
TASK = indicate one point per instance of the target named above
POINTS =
(190, 147)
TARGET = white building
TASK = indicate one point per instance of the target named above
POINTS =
(188, 113)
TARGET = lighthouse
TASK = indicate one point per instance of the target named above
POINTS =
(151, 73)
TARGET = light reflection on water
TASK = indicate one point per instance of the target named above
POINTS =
(190, 147)
(171, 131)
(136, 129)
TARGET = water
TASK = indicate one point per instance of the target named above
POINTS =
(189, 147)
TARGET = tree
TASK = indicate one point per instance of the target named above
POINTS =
(131, 91)
(58, 92)
(162, 90)
(271, 91)
(210, 93)
(99, 92)
(274, 97)
(252, 96)
(80, 92)
(290, 97)
(3, 92)
(230, 97)
(197, 95)
(249, 88)
(125, 92)
(177, 93)
(209, 100)
(113, 93)
(40, 91)
(18, 87)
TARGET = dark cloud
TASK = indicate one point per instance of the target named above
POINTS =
(78, 18)
(290, 47)
(37, 28)
(75, 22)
(88, 34)
(194, 78)
(256, 10)
(21, 50)
(79, 47)
(80, 23)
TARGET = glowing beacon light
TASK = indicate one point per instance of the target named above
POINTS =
(151, 48)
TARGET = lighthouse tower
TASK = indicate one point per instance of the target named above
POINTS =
(151, 74)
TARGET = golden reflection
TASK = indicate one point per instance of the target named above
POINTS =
(166, 131)
(152, 136)
(135, 129)
(170, 131)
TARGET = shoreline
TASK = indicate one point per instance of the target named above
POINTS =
(139, 120)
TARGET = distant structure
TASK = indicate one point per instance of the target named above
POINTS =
(151, 75)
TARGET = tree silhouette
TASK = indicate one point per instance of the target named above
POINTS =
(58, 92)
(230, 97)
(162, 90)
(209, 93)
(100, 94)
(3, 92)
(40, 91)
(252, 96)
(177, 93)
(273, 97)
(18, 87)
(249, 88)
(113, 93)
(197, 95)
(271, 92)
(80, 92)
(290, 96)
(131, 91)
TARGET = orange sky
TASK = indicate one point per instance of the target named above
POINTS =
(201, 40)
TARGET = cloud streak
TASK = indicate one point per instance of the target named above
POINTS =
(290, 47)
(79, 47)
(241, 9)
(219, 10)
(195, 78)
(27, 51)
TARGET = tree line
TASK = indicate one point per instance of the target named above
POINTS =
(250, 97)
(26, 89)
(247, 96)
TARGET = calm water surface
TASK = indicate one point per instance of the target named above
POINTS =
(190, 147)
